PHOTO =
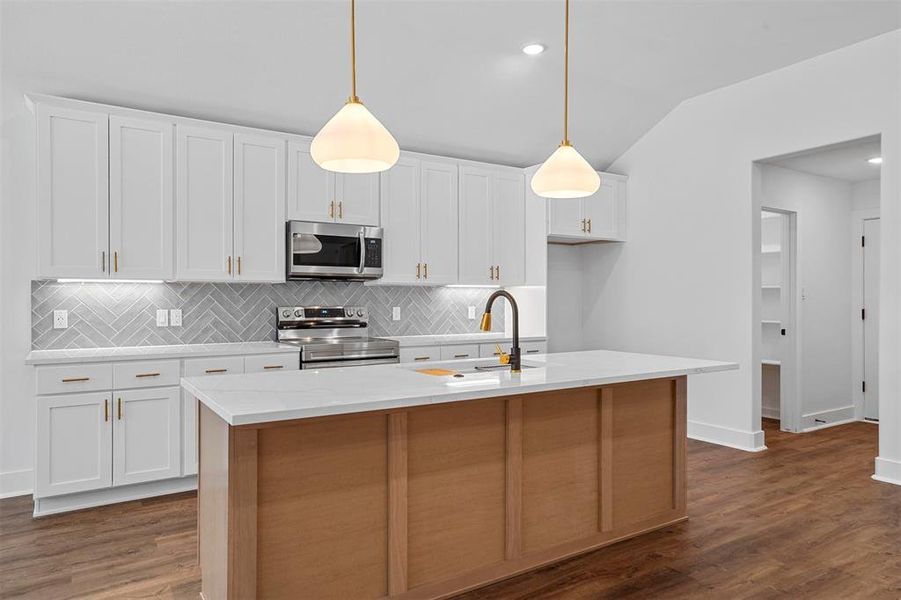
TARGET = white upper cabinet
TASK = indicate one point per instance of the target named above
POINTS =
(315, 194)
(72, 193)
(439, 222)
(205, 204)
(259, 208)
(400, 217)
(599, 217)
(146, 435)
(492, 225)
(536, 234)
(141, 198)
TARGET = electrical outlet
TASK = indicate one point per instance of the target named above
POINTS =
(60, 319)
(471, 312)
(175, 317)
(395, 313)
(162, 317)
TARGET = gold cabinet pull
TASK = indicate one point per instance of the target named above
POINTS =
(421, 358)
(274, 367)
(534, 351)
(216, 370)
(425, 271)
(497, 270)
(103, 261)
(340, 210)
(491, 272)
(229, 265)
(105, 410)
(147, 375)
(116, 261)
(75, 379)
(461, 356)
(239, 265)
(120, 409)
(583, 224)
(589, 225)
(418, 267)
(331, 209)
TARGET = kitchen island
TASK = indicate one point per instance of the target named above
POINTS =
(384, 481)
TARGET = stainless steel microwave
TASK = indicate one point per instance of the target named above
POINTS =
(333, 251)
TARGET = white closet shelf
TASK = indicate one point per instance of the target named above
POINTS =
(771, 286)
(771, 322)
(772, 363)
(770, 250)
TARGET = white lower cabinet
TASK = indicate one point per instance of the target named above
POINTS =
(527, 348)
(420, 354)
(74, 443)
(146, 435)
(459, 351)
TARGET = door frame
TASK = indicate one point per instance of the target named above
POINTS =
(857, 325)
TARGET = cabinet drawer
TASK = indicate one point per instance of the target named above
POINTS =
(422, 354)
(490, 350)
(533, 348)
(265, 363)
(145, 373)
(220, 365)
(73, 378)
(459, 351)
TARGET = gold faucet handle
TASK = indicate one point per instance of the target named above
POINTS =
(502, 356)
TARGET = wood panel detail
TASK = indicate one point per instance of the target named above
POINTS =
(212, 501)
(242, 514)
(559, 468)
(642, 453)
(605, 460)
(323, 509)
(456, 489)
(514, 478)
(397, 503)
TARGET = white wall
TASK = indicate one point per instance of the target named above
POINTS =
(564, 298)
(823, 207)
(865, 195)
(684, 282)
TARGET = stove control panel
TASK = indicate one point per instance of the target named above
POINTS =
(321, 313)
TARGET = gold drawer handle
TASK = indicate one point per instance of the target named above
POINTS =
(74, 379)
(105, 410)
(120, 409)
(422, 358)
(147, 375)
(274, 367)
(216, 370)
(461, 356)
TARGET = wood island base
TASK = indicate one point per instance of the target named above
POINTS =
(429, 501)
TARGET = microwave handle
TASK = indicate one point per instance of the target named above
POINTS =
(362, 252)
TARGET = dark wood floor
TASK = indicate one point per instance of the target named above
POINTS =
(802, 520)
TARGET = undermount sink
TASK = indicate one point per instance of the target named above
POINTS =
(469, 369)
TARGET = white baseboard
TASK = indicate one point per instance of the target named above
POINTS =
(16, 483)
(59, 504)
(888, 470)
(770, 412)
(749, 441)
(827, 418)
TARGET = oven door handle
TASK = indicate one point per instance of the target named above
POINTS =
(362, 252)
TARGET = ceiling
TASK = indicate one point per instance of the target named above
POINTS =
(847, 161)
(446, 77)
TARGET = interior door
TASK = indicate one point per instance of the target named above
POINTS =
(311, 189)
(74, 443)
(73, 193)
(508, 221)
(477, 190)
(358, 198)
(601, 211)
(205, 217)
(401, 221)
(565, 217)
(259, 208)
(871, 322)
(439, 220)
(146, 435)
(141, 198)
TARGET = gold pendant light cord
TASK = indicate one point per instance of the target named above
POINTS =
(566, 78)
(353, 51)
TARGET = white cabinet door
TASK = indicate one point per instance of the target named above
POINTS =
(141, 198)
(358, 198)
(536, 238)
(204, 200)
(272, 363)
(476, 192)
(146, 435)
(400, 218)
(259, 208)
(73, 193)
(565, 217)
(459, 351)
(439, 220)
(74, 443)
(601, 210)
(421, 354)
(508, 223)
(311, 189)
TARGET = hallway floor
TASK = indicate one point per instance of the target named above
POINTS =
(801, 520)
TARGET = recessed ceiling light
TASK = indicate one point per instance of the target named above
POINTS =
(876, 160)
(533, 49)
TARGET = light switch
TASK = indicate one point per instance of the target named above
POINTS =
(162, 317)
(60, 319)
(471, 312)
(395, 313)
(175, 317)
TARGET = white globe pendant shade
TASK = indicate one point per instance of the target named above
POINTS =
(565, 174)
(354, 141)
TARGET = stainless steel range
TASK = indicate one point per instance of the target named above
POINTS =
(333, 336)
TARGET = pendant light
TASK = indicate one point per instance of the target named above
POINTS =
(565, 174)
(354, 141)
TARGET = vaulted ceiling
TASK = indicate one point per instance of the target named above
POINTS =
(446, 77)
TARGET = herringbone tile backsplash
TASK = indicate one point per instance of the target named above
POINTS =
(124, 314)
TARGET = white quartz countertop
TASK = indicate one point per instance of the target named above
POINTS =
(412, 341)
(260, 398)
(88, 355)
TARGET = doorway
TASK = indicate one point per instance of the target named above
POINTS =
(818, 278)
